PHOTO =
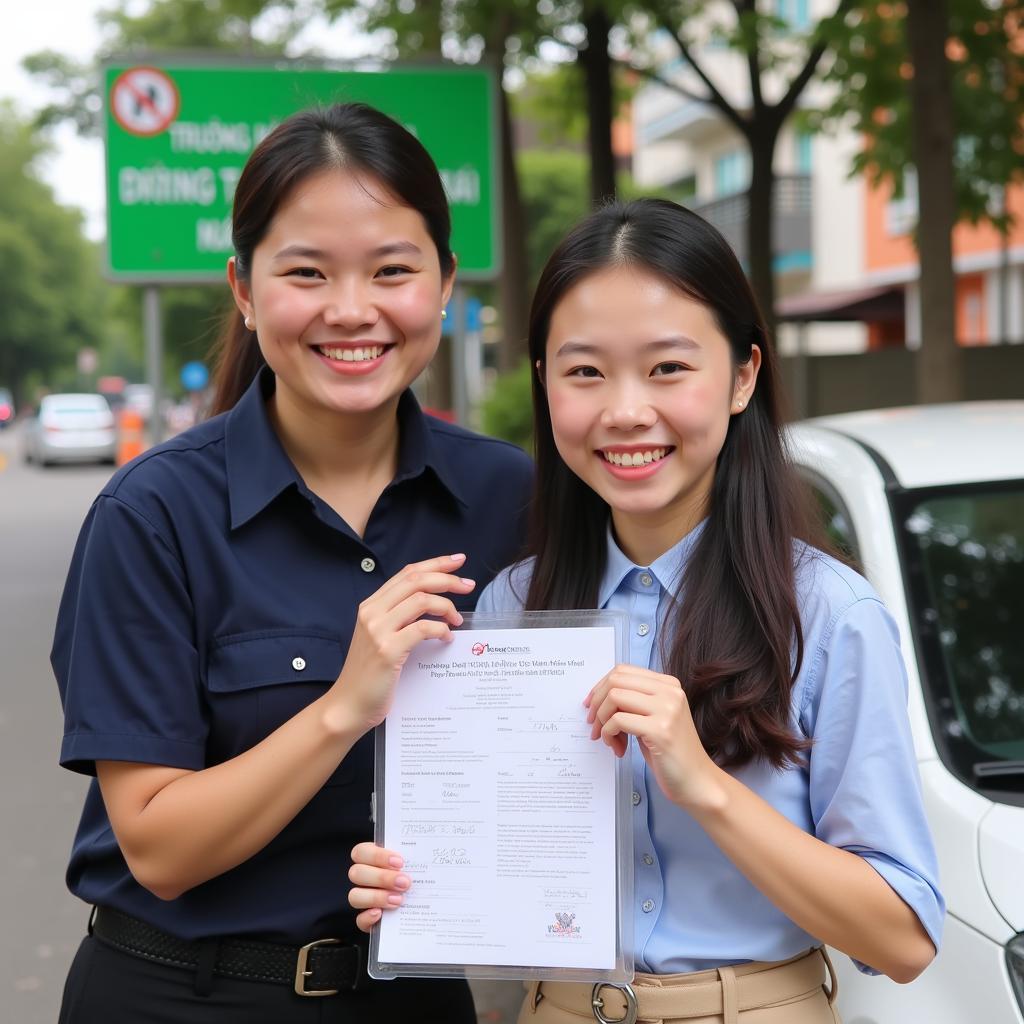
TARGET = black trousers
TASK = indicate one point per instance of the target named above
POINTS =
(107, 986)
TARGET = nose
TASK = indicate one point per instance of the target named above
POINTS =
(349, 304)
(628, 409)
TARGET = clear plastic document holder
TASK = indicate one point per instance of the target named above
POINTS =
(514, 825)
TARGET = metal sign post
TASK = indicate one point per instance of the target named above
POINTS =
(154, 337)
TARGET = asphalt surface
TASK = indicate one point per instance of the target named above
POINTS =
(41, 924)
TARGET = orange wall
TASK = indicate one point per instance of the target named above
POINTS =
(883, 251)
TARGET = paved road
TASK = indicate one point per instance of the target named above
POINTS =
(40, 922)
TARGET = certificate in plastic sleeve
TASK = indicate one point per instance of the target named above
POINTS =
(515, 826)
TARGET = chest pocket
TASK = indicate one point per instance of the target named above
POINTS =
(257, 681)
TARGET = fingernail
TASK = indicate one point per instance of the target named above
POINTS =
(394, 899)
(395, 862)
(458, 556)
(469, 583)
(460, 618)
(403, 882)
(375, 912)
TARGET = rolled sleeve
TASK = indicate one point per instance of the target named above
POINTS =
(124, 650)
(864, 786)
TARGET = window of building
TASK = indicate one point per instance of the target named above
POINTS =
(732, 172)
(901, 213)
(803, 145)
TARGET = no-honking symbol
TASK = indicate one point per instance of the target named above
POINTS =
(144, 101)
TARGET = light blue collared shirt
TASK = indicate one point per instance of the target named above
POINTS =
(859, 789)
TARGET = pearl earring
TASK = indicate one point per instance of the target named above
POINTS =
(249, 323)
(444, 314)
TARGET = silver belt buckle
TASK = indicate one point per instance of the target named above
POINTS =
(302, 972)
(597, 1004)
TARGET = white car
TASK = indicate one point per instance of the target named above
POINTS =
(71, 428)
(930, 501)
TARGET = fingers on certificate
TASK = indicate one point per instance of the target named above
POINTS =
(407, 609)
(638, 702)
(378, 883)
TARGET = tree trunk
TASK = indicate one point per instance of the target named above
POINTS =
(512, 290)
(759, 224)
(597, 74)
(939, 361)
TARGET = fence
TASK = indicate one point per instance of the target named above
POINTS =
(821, 385)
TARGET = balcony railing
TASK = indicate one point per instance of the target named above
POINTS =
(791, 220)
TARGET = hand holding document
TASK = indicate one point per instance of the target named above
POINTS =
(508, 815)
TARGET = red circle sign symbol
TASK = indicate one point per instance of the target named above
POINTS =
(144, 101)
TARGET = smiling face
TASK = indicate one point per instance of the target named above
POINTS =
(346, 293)
(641, 385)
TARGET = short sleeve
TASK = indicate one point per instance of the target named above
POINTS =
(865, 792)
(124, 650)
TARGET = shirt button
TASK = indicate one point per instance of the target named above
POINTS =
(648, 859)
(367, 565)
(298, 664)
(646, 579)
(647, 906)
(643, 629)
(636, 798)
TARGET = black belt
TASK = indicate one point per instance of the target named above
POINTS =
(320, 968)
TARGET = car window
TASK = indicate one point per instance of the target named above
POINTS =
(75, 403)
(964, 553)
(836, 519)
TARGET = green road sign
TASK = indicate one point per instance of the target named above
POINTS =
(178, 137)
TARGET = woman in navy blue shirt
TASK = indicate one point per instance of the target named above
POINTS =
(242, 598)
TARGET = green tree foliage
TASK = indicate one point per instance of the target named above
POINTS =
(554, 185)
(872, 71)
(508, 411)
(252, 27)
(52, 298)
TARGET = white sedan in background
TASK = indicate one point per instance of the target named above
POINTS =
(71, 428)
(930, 503)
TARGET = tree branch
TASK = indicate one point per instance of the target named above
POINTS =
(785, 106)
(753, 59)
(669, 84)
(714, 98)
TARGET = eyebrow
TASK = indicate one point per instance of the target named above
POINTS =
(670, 343)
(311, 253)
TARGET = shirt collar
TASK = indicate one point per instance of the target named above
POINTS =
(667, 569)
(258, 469)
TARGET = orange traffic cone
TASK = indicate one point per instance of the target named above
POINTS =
(129, 436)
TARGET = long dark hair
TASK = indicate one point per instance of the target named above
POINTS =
(735, 626)
(351, 136)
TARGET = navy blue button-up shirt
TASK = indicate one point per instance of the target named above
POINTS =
(211, 597)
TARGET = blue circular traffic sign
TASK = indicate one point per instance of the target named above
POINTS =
(194, 376)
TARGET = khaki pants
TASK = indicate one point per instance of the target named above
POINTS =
(790, 992)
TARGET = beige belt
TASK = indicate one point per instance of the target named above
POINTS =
(726, 991)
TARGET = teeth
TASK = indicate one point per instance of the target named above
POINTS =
(353, 355)
(634, 458)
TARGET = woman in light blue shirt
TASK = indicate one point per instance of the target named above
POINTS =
(777, 803)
